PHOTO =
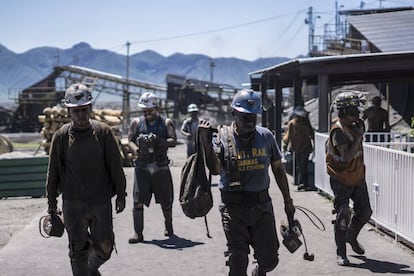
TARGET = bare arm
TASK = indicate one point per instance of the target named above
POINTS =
(172, 136)
(132, 135)
(281, 180)
(184, 129)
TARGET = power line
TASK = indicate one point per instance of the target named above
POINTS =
(215, 30)
(258, 21)
(295, 18)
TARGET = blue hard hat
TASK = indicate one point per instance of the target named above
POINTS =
(247, 101)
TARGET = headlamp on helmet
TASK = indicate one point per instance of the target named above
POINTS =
(247, 101)
(148, 100)
(77, 95)
(349, 99)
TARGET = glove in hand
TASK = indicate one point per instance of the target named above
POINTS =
(119, 204)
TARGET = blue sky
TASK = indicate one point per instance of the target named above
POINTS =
(246, 29)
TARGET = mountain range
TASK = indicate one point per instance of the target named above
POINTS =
(20, 70)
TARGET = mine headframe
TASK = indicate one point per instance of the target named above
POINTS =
(209, 96)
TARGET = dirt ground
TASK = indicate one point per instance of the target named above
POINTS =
(16, 213)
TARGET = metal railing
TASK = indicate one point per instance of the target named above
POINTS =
(389, 177)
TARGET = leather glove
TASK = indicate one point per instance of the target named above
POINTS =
(52, 210)
(205, 131)
(160, 142)
(119, 204)
(290, 212)
(359, 128)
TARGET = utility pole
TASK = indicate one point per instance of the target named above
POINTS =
(125, 96)
(338, 28)
(212, 65)
(311, 22)
(57, 56)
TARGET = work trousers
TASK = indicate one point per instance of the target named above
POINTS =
(90, 234)
(250, 225)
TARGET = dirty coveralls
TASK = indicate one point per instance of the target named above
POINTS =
(152, 173)
(85, 166)
(347, 181)
(246, 210)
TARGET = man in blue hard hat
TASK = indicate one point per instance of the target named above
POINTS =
(242, 153)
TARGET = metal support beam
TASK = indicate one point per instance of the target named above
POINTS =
(278, 113)
(297, 92)
(324, 110)
(126, 106)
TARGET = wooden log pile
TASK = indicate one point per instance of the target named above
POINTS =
(55, 117)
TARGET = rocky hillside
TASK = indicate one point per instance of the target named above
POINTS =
(19, 71)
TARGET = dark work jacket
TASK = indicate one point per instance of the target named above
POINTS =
(85, 165)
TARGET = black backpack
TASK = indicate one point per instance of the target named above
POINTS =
(196, 199)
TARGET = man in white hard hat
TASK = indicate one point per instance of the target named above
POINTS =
(85, 165)
(150, 136)
(189, 128)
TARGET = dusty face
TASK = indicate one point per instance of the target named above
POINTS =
(150, 114)
(351, 117)
(194, 115)
(245, 122)
(80, 116)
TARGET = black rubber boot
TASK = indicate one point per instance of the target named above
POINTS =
(351, 238)
(79, 268)
(341, 258)
(94, 262)
(138, 216)
(340, 230)
(168, 232)
(257, 272)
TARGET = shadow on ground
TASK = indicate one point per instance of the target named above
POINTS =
(174, 242)
(377, 266)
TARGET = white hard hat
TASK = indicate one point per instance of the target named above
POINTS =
(77, 95)
(148, 100)
(192, 108)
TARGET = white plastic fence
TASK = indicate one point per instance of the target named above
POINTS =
(390, 180)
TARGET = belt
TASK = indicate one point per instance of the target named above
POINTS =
(245, 198)
(160, 164)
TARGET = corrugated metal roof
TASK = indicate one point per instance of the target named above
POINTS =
(392, 31)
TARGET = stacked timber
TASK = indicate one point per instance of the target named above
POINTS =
(55, 117)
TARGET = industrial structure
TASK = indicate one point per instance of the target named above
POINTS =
(50, 91)
(211, 97)
(362, 31)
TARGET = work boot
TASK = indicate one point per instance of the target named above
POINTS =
(94, 262)
(94, 273)
(257, 272)
(301, 187)
(168, 232)
(351, 238)
(341, 258)
(79, 268)
(138, 217)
